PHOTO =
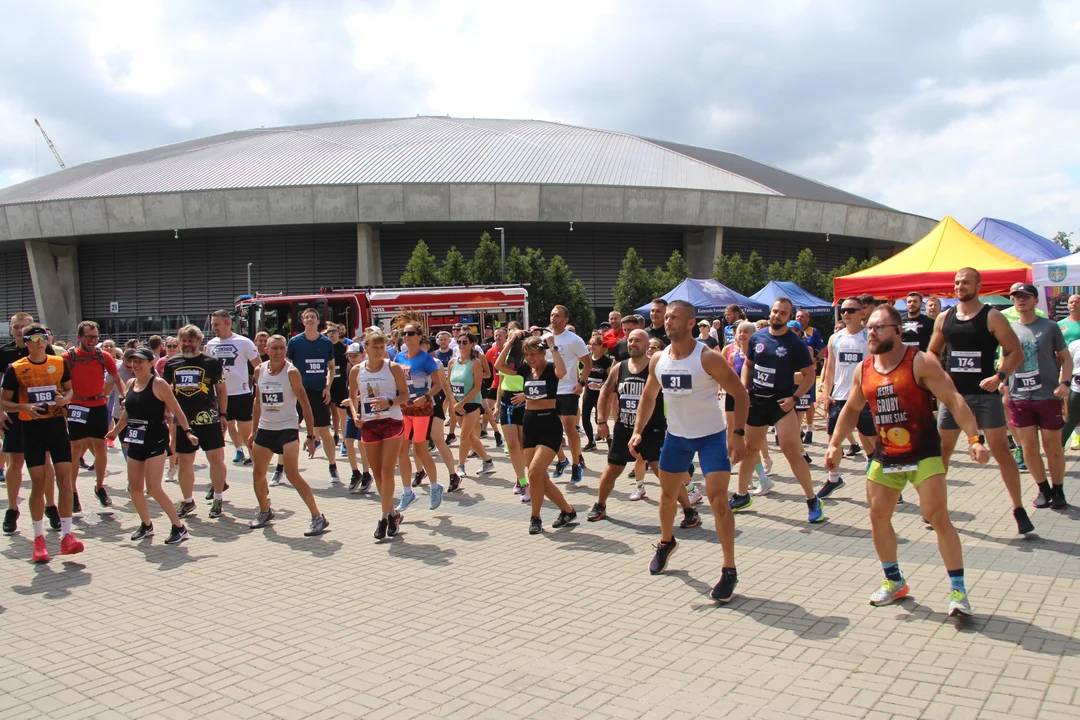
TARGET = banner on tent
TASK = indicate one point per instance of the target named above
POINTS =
(1057, 300)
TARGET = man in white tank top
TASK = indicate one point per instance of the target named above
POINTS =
(847, 349)
(690, 375)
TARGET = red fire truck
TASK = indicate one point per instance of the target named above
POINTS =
(474, 306)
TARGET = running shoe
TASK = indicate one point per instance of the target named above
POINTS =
(1043, 499)
(498, 439)
(276, 480)
(71, 545)
(247, 462)
(365, 482)
(210, 492)
(41, 553)
(1024, 526)
(185, 508)
(690, 519)
(816, 512)
(431, 446)
(694, 494)
(765, 486)
(724, 590)
(560, 468)
(518, 487)
(808, 438)
(261, 519)
(238, 457)
(598, 512)
(177, 535)
(958, 604)
(581, 461)
(103, 496)
(408, 497)
(483, 432)
(1075, 441)
(144, 531)
(393, 523)
(638, 492)
(767, 464)
(76, 506)
(525, 496)
(455, 483)
(317, 527)
(342, 449)
(1057, 497)
(1018, 456)
(853, 450)
(335, 479)
(171, 477)
(84, 466)
(575, 474)
(473, 455)
(354, 480)
(535, 526)
(806, 457)
(435, 497)
(829, 486)
(418, 478)
(380, 529)
(664, 551)
(488, 468)
(889, 592)
(589, 446)
(11, 521)
(565, 518)
(461, 471)
(215, 509)
(451, 439)
(740, 502)
(53, 513)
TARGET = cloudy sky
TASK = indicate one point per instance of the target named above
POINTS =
(962, 108)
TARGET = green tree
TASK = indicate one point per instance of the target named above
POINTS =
(666, 277)
(730, 271)
(634, 287)
(454, 271)
(1064, 239)
(806, 274)
(485, 267)
(421, 269)
(851, 265)
(528, 267)
(753, 275)
(562, 288)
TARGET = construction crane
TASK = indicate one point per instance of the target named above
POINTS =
(50, 144)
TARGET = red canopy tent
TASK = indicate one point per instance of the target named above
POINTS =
(929, 267)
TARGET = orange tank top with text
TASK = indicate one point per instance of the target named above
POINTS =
(40, 384)
(903, 413)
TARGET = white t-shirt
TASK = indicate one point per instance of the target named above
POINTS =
(572, 348)
(1074, 350)
(234, 352)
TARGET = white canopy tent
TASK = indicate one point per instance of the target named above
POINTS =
(1057, 280)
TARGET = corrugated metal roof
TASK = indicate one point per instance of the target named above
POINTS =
(405, 150)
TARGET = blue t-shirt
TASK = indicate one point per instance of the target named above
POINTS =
(444, 356)
(814, 341)
(312, 358)
(776, 359)
(418, 369)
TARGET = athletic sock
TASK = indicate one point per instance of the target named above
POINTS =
(189, 499)
(892, 572)
(65, 526)
(333, 467)
(956, 579)
(523, 481)
(217, 496)
(39, 528)
(834, 475)
(279, 468)
(1045, 488)
(759, 469)
(810, 502)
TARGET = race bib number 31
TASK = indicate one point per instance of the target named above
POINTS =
(677, 383)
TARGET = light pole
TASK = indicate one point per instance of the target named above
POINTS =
(249, 277)
(502, 251)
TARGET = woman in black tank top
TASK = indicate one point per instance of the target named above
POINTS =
(142, 429)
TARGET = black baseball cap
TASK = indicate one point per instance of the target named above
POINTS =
(144, 353)
(34, 329)
(1016, 289)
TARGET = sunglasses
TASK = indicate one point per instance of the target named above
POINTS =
(410, 333)
(171, 345)
(848, 311)
(36, 337)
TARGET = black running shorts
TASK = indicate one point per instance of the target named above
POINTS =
(619, 449)
(276, 440)
(210, 438)
(46, 437)
(84, 422)
(542, 428)
(240, 407)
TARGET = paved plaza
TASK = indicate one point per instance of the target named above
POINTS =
(465, 615)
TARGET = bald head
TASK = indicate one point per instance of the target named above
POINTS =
(1074, 307)
(637, 343)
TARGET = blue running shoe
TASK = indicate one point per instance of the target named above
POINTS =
(436, 490)
(239, 457)
(560, 468)
(740, 502)
(408, 497)
(575, 474)
(817, 512)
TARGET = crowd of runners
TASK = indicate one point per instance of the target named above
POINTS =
(669, 395)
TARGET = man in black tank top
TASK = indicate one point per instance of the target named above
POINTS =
(969, 336)
(620, 395)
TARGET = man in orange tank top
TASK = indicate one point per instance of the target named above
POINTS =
(900, 383)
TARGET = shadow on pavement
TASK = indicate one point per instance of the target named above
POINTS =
(427, 554)
(1027, 543)
(223, 529)
(1017, 632)
(447, 528)
(167, 557)
(773, 613)
(317, 546)
(573, 539)
(462, 498)
(51, 584)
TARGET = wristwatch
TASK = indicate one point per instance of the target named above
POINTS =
(1001, 376)
(980, 438)
(740, 432)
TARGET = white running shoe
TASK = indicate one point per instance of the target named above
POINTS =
(461, 471)
(638, 492)
(767, 464)
(172, 474)
(765, 485)
(695, 494)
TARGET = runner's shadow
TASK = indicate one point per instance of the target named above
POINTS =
(639, 529)
(103, 526)
(427, 554)
(447, 528)
(463, 499)
(51, 584)
(587, 542)
(224, 529)
(167, 557)
(780, 615)
(1027, 543)
(317, 546)
(828, 527)
(1017, 632)
(910, 507)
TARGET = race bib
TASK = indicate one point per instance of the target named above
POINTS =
(892, 469)
(78, 414)
(628, 405)
(595, 384)
(677, 383)
(187, 379)
(337, 371)
(965, 361)
(272, 400)
(1028, 381)
(315, 366)
(764, 377)
(368, 409)
(535, 389)
(458, 389)
(135, 432)
(44, 395)
(849, 357)
(803, 403)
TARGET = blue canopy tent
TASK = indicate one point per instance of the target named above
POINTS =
(710, 297)
(802, 299)
(1018, 241)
